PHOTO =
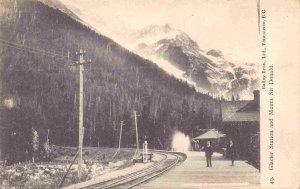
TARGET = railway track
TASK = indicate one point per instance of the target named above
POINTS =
(170, 159)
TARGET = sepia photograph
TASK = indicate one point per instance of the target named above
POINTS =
(138, 94)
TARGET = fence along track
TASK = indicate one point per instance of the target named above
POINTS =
(170, 160)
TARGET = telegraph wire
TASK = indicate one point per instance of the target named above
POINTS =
(40, 52)
(33, 50)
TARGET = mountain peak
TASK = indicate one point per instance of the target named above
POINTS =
(156, 29)
(215, 53)
(167, 27)
(210, 71)
(165, 33)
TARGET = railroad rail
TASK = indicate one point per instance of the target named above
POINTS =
(169, 160)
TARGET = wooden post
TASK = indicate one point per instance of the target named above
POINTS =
(136, 132)
(80, 126)
(80, 144)
(121, 134)
(122, 123)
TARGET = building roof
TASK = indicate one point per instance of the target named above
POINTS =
(240, 111)
(212, 134)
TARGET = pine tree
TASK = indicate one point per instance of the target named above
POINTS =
(35, 143)
(47, 144)
(232, 98)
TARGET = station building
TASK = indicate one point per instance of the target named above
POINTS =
(241, 124)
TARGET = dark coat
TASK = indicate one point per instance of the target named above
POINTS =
(231, 152)
(208, 151)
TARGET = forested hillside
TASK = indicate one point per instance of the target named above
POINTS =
(39, 91)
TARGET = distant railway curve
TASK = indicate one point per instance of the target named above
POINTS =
(169, 160)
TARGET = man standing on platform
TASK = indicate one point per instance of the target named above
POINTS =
(208, 153)
(231, 152)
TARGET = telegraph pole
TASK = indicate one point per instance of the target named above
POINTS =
(81, 129)
(121, 130)
(136, 132)
(122, 123)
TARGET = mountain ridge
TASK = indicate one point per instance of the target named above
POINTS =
(42, 91)
(208, 69)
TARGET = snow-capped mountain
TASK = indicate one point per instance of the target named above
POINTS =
(209, 70)
(177, 54)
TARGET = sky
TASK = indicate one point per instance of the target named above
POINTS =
(227, 25)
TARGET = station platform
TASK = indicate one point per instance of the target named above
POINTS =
(193, 173)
